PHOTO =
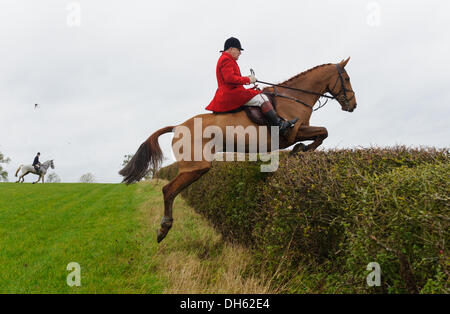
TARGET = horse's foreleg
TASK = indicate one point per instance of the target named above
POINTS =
(306, 133)
(171, 190)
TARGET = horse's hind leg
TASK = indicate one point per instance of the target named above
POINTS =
(172, 189)
(37, 180)
(22, 177)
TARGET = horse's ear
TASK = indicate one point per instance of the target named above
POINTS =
(343, 63)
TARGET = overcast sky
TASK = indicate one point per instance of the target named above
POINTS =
(106, 74)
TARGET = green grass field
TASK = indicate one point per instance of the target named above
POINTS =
(109, 230)
(44, 227)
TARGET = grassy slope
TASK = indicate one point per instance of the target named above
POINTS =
(109, 229)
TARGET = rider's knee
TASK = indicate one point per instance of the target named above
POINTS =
(257, 100)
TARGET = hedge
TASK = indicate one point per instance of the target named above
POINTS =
(323, 216)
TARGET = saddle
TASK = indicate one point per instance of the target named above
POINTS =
(254, 113)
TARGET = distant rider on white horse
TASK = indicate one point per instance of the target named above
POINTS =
(36, 168)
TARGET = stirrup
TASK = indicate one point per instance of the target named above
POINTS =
(292, 122)
(286, 125)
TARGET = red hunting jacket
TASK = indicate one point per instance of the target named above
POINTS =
(231, 93)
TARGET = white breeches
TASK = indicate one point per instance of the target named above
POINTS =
(257, 100)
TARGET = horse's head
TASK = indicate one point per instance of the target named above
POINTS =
(341, 88)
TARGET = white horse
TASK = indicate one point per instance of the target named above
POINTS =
(26, 169)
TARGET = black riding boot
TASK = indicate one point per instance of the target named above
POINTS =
(273, 118)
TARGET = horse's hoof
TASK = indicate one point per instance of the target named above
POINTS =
(299, 147)
(160, 235)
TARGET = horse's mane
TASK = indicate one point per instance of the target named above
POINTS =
(300, 74)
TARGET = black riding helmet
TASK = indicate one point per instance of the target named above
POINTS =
(232, 42)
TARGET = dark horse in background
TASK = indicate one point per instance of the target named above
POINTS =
(291, 102)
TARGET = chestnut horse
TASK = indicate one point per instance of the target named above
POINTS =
(291, 103)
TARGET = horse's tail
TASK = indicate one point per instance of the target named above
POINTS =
(148, 153)
(20, 167)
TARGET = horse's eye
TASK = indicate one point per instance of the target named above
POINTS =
(347, 79)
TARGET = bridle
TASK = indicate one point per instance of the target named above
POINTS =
(334, 96)
(343, 89)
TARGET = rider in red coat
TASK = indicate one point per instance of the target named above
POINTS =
(231, 93)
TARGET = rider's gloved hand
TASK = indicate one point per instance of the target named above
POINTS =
(252, 79)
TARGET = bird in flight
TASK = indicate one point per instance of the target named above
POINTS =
(35, 106)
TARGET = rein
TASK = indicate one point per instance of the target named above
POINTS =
(276, 94)
(340, 78)
(296, 89)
